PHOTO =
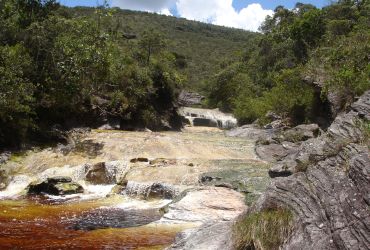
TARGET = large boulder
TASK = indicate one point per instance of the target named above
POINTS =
(99, 174)
(151, 190)
(55, 186)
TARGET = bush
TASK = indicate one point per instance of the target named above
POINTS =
(290, 98)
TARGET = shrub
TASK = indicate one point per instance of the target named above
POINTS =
(263, 230)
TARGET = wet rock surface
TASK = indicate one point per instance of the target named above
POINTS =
(164, 164)
(55, 186)
(99, 174)
(205, 204)
(151, 190)
(328, 186)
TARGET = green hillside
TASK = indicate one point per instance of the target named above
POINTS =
(199, 47)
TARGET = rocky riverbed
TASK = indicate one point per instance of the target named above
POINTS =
(140, 189)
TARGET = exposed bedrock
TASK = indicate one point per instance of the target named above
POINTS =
(328, 187)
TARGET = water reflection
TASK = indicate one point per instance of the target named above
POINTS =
(39, 224)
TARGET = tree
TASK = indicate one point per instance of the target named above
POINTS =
(151, 43)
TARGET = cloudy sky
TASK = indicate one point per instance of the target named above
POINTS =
(244, 14)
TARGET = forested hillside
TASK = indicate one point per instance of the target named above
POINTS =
(309, 65)
(199, 48)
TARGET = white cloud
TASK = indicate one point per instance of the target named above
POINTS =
(158, 6)
(165, 11)
(222, 12)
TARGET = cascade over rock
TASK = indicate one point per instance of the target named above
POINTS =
(208, 118)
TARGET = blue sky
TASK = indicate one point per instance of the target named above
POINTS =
(244, 14)
(238, 4)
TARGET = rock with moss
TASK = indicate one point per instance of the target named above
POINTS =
(55, 186)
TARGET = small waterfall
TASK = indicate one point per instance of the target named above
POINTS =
(147, 190)
(17, 185)
(208, 118)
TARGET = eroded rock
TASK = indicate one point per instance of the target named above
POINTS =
(328, 191)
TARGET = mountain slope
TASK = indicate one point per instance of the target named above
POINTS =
(199, 47)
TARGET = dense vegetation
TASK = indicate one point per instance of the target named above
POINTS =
(304, 54)
(55, 69)
(84, 66)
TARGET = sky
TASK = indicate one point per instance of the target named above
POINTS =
(243, 14)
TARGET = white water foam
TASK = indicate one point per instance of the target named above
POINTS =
(133, 204)
(16, 186)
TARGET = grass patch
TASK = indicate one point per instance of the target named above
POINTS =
(365, 128)
(263, 230)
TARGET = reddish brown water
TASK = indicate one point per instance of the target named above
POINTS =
(29, 224)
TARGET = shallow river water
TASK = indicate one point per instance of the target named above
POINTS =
(96, 220)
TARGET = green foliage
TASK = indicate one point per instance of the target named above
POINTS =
(16, 94)
(197, 46)
(289, 98)
(55, 68)
(329, 45)
(263, 230)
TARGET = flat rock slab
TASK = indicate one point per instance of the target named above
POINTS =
(206, 204)
(208, 237)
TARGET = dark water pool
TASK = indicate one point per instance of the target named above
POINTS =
(29, 224)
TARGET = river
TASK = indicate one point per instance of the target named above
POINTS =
(99, 219)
